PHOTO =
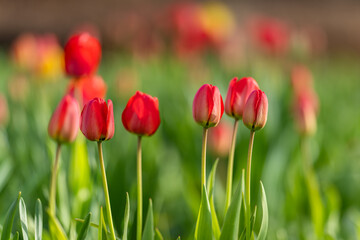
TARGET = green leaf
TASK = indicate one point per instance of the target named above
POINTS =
(178, 238)
(5, 235)
(55, 227)
(210, 186)
(100, 224)
(23, 219)
(85, 228)
(265, 217)
(16, 236)
(126, 217)
(105, 232)
(158, 235)
(204, 223)
(230, 228)
(38, 220)
(149, 224)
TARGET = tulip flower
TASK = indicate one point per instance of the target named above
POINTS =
(305, 111)
(208, 106)
(141, 114)
(97, 124)
(255, 111)
(220, 139)
(64, 123)
(82, 55)
(97, 120)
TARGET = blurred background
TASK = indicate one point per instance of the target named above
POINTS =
(305, 55)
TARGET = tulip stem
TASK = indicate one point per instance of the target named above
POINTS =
(247, 185)
(139, 191)
(231, 166)
(106, 191)
(203, 158)
(53, 180)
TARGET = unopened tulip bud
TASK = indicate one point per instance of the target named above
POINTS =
(97, 120)
(305, 113)
(256, 110)
(64, 123)
(208, 106)
(220, 139)
(82, 55)
(141, 114)
(238, 93)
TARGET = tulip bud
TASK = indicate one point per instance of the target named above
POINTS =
(82, 55)
(208, 106)
(97, 120)
(256, 110)
(220, 139)
(238, 93)
(64, 123)
(141, 114)
(305, 113)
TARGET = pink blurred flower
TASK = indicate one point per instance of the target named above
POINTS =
(220, 139)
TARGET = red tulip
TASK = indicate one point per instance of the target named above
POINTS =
(64, 123)
(256, 110)
(238, 93)
(220, 139)
(89, 87)
(208, 106)
(82, 55)
(141, 114)
(305, 111)
(97, 120)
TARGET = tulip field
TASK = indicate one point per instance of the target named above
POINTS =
(184, 143)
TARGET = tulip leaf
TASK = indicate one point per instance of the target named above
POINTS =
(210, 187)
(85, 228)
(16, 236)
(126, 217)
(38, 220)
(5, 235)
(204, 223)
(100, 224)
(55, 227)
(265, 217)
(23, 219)
(105, 232)
(149, 224)
(230, 228)
(178, 238)
(158, 235)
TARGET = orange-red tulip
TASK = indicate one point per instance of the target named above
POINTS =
(97, 120)
(208, 106)
(64, 123)
(141, 114)
(238, 93)
(256, 110)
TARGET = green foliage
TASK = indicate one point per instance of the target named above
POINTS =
(126, 217)
(7, 226)
(204, 222)
(148, 233)
(265, 216)
(23, 219)
(38, 220)
(84, 228)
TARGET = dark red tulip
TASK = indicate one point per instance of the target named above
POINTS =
(208, 106)
(141, 114)
(97, 120)
(238, 93)
(82, 55)
(256, 110)
(64, 123)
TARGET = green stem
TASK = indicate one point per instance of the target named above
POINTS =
(53, 180)
(231, 166)
(106, 191)
(203, 159)
(139, 191)
(247, 185)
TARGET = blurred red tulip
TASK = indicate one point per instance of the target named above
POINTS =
(141, 114)
(256, 110)
(82, 55)
(220, 139)
(88, 87)
(97, 120)
(4, 111)
(64, 123)
(208, 106)
(238, 93)
(305, 110)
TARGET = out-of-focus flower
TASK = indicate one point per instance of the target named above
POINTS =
(237, 95)
(220, 139)
(82, 55)
(141, 115)
(18, 88)
(24, 51)
(270, 35)
(308, 41)
(4, 111)
(97, 120)
(208, 106)
(126, 82)
(64, 123)
(87, 87)
(256, 110)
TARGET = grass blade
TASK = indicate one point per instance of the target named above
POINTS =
(265, 217)
(23, 219)
(16, 236)
(204, 223)
(38, 220)
(56, 230)
(210, 186)
(158, 235)
(149, 224)
(85, 228)
(100, 225)
(5, 235)
(126, 217)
